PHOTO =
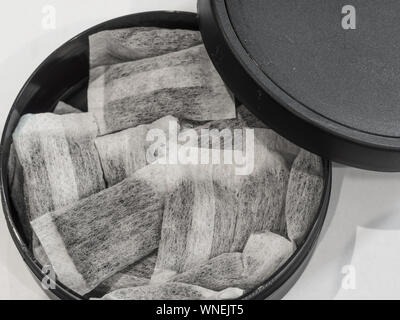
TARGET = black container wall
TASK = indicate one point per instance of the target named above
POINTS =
(64, 74)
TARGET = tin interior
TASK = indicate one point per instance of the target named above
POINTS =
(64, 75)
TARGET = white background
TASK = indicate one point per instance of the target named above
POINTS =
(359, 198)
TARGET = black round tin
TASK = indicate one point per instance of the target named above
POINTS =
(330, 88)
(64, 75)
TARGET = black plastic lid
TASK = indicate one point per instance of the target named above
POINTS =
(331, 90)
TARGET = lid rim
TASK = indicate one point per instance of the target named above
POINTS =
(320, 135)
